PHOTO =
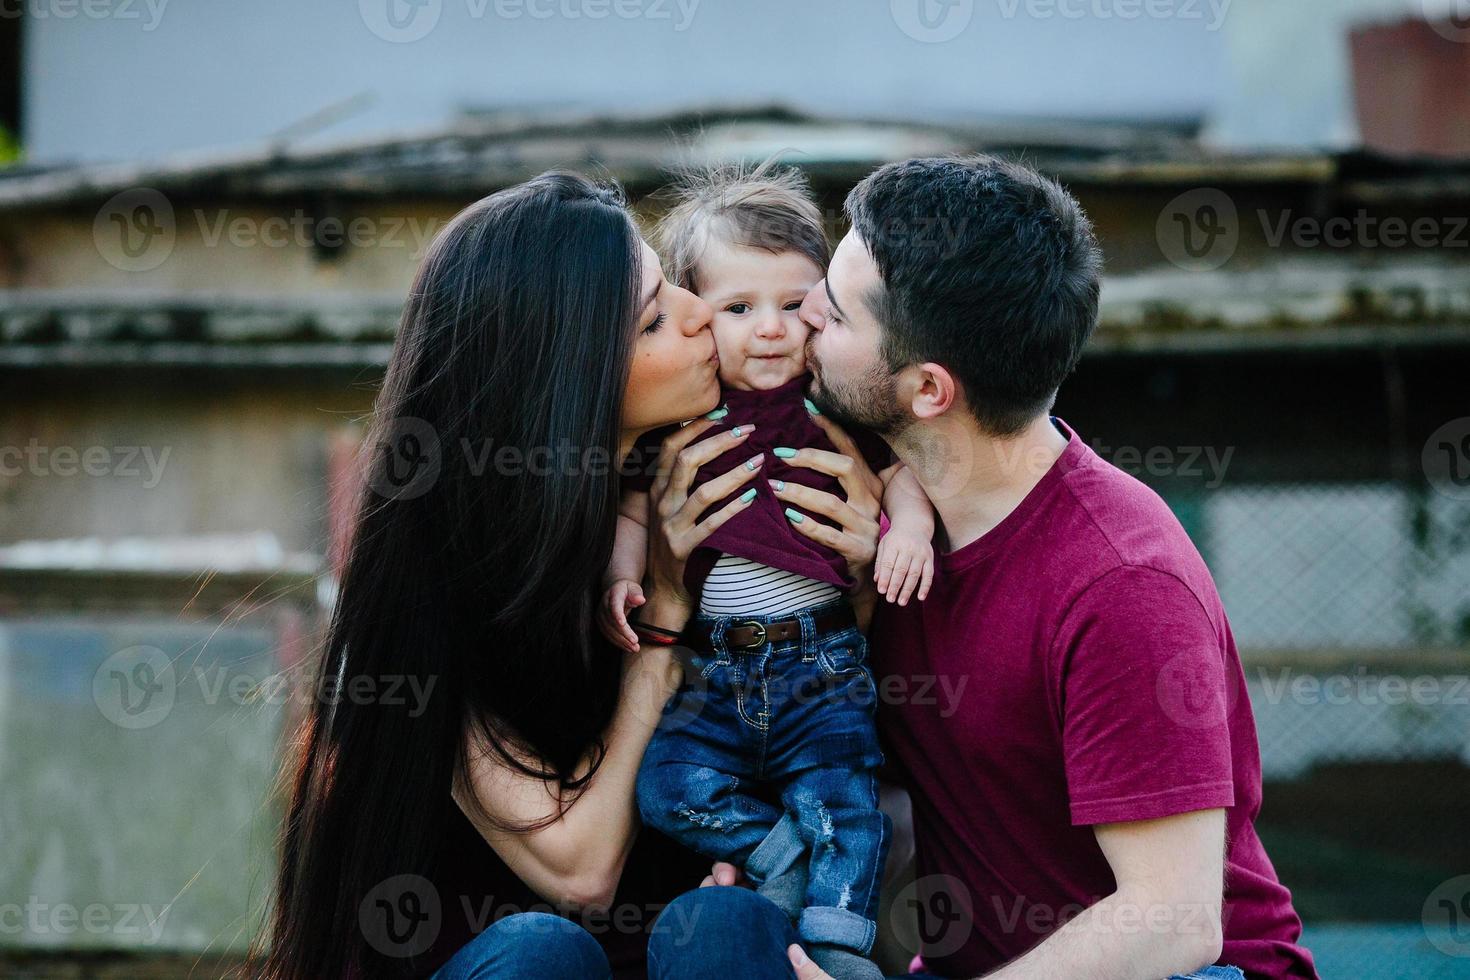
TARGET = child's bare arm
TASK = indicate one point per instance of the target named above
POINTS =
(905, 561)
(630, 544)
(906, 503)
(622, 582)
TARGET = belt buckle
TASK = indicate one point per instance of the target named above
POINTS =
(760, 634)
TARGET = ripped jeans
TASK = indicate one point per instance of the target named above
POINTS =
(794, 716)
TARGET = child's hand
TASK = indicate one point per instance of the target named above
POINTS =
(905, 563)
(621, 597)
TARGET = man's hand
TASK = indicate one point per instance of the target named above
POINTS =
(621, 598)
(724, 873)
(802, 964)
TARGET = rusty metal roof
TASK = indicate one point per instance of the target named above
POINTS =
(475, 154)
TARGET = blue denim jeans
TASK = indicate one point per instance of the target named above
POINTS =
(725, 932)
(794, 716)
(529, 944)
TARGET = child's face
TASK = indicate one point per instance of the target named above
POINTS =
(756, 296)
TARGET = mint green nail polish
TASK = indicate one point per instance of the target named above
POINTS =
(747, 496)
(779, 484)
(795, 517)
(785, 452)
(810, 407)
(717, 414)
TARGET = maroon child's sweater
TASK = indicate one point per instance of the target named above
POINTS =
(762, 532)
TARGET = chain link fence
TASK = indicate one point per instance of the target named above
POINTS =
(1350, 603)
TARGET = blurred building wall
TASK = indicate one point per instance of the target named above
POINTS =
(1286, 78)
(1258, 72)
(99, 88)
(1411, 84)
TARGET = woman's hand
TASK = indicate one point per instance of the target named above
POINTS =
(675, 529)
(856, 537)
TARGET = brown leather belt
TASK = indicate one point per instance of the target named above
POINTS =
(746, 635)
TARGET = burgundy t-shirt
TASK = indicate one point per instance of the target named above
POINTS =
(1101, 684)
(762, 531)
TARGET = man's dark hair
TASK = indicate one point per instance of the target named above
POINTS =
(987, 268)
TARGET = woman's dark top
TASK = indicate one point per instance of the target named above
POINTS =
(476, 888)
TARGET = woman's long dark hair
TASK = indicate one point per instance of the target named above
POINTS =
(473, 571)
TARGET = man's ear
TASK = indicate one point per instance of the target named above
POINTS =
(936, 391)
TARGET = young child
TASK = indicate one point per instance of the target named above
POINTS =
(785, 700)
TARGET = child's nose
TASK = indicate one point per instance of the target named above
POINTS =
(770, 328)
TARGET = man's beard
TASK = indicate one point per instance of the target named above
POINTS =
(870, 402)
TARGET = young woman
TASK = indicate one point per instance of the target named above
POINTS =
(538, 342)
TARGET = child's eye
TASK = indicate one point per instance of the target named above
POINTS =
(739, 309)
(792, 307)
(654, 324)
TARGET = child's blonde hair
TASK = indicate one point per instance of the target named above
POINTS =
(767, 207)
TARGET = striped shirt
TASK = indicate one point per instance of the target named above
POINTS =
(741, 587)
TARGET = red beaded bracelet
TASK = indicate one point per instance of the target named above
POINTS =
(657, 639)
(659, 631)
